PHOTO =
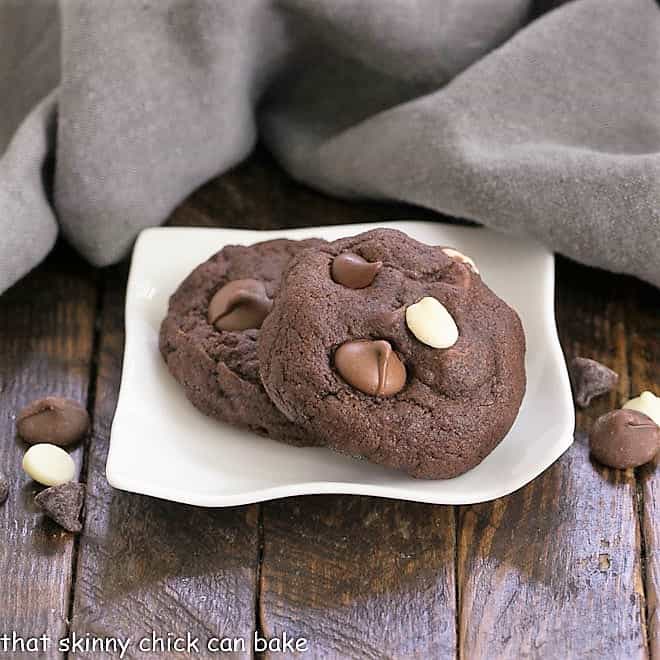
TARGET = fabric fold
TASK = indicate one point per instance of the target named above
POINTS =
(554, 135)
(546, 126)
(27, 223)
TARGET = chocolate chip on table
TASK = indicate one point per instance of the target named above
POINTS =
(48, 465)
(239, 305)
(371, 367)
(53, 420)
(63, 504)
(354, 272)
(4, 488)
(590, 379)
(624, 439)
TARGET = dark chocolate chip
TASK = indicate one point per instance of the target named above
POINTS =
(371, 367)
(63, 504)
(53, 420)
(354, 272)
(590, 379)
(239, 305)
(4, 488)
(624, 439)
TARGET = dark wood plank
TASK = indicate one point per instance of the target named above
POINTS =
(359, 577)
(553, 571)
(46, 346)
(147, 565)
(643, 322)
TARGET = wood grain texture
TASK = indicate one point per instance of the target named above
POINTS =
(46, 346)
(147, 565)
(360, 577)
(553, 571)
(643, 319)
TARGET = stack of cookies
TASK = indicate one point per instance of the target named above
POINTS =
(377, 346)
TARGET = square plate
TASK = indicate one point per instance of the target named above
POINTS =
(162, 446)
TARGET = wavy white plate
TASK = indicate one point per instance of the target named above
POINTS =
(161, 446)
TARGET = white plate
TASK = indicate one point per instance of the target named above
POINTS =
(161, 446)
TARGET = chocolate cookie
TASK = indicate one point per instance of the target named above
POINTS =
(394, 351)
(209, 336)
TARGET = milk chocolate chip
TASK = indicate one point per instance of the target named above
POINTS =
(53, 420)
(624, 439)
(239, 305)
(371, 367)
(354, 272)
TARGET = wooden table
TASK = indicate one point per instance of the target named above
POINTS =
(567, 567)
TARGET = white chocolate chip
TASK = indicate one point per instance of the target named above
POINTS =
(459, 256)
(49, 465)
(647, 403)
(431, 323)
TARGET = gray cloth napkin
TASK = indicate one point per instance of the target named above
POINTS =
(547, 127)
